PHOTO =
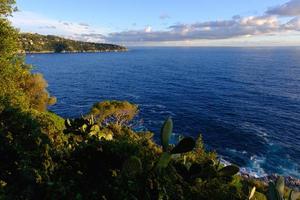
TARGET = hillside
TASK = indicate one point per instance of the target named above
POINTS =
(36, 43)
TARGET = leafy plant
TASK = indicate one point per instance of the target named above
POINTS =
(86, 127)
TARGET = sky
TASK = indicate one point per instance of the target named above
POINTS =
(165, 22)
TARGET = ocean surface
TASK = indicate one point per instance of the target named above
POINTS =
(244, 101)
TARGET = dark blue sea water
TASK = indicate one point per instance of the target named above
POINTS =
(244, 101)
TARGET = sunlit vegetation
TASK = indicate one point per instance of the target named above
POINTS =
(99, 155)
(36, 43)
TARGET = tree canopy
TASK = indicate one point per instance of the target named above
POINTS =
(114, 112)
(18, 86)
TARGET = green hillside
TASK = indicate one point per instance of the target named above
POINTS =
(36, 43)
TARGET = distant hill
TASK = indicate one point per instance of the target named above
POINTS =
(36, 43)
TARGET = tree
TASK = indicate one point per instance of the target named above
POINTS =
(18, 86)
(60, 47)
(118, 113)
(7, 7)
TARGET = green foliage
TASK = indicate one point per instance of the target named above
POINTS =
(6, 7)
(132, 166)
(18, 86)
(259, 196)
(87, 127)
(116, 114)
(35, 43)
(26, 154)
(8, 40)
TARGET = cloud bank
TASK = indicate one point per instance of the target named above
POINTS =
(210, 30)
(267, 24)
(32, 22)
(291, 8)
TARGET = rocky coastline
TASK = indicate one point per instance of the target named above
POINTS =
(291, 182)
(67, 52)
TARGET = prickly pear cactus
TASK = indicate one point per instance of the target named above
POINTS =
(132, 166)
(163, 161)
(185, 145)
(166, 132)
(229, 170)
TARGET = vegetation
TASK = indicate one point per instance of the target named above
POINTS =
(36, 43)
(99, 155)
(277, 191)
(18, 86)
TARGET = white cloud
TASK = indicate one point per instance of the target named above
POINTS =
(32, 22)
(293, 24)
(148, 29)
(223, 29)
(291, 8)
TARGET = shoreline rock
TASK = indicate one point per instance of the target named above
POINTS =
(291, 182)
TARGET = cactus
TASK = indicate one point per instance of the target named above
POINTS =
(294, 195)
(252, 192)
(94, 130)
(132, 167)
(166, 132)
(210, 170)
(91, 120)
(164, 160)
(279, 184)
(276, 191)
(68, 123)
(229, 170)
(85, 127)
(273, 194)
(185, 145)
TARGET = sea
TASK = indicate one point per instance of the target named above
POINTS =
(245, 102)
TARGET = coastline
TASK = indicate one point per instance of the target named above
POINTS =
(66, 52)
(291, 182)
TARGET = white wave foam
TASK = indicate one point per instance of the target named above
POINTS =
(236, 151)
(154, 106)
(254, 167)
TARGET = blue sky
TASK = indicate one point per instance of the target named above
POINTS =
(165, 22)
